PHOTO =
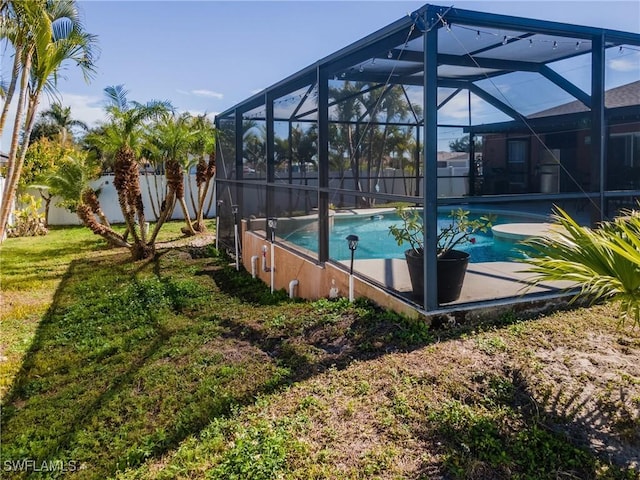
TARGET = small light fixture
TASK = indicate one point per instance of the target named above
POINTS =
(272, 223)
(219, 204)
(555, 45)
(530, 43)
(578, 45)
(390, 55)
(478, 35)
(236, 235)
(361, 68)
(353, 245)
(504, 40)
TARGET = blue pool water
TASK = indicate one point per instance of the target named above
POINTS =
(375, 241)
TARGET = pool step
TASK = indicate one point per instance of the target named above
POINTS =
(515, 232)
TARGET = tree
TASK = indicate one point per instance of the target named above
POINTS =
(172, 138)
(43, 129)
(462, 144)
(44, 157)
(122, 138)
(44, 35)
(71, 179)
(204, 147)
(59, 118)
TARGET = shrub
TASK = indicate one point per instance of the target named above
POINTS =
(29, 221)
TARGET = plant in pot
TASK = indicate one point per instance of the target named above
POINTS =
(451, 263)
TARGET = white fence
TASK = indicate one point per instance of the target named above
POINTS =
(109, 200)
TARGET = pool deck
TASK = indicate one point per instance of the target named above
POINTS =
(499, 283)
(484, 282)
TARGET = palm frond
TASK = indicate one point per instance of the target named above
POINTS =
(604, 262)
(117, 97)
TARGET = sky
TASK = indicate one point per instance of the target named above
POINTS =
(206, 56)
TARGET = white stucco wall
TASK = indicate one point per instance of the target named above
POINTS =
(109, 200)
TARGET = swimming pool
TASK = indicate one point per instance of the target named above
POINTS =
(375, 241)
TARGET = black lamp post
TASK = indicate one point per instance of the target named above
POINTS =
(234, 210)
(219, 204)
(272, 223)
(353, 245)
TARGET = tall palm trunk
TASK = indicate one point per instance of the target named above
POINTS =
(85, 214)
(11, 186)
(166, 210)
(123, 179)
(151, 199)
(175, 182)
(15, 73)
(204, 174)
(90, 198)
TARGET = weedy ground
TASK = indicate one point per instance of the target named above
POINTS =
(181, 367)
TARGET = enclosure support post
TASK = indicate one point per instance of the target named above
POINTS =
(430, 160)
(323, 165)
(270, 210)
(416, 155)
(238, 190)
(598, 124)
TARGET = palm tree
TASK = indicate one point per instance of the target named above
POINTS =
(203, 145)
(604, 262)
(62, 122)
(71, 182)
(122, 137)
(44, 36)
(172, 138)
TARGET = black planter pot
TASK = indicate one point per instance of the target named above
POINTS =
(452, 268)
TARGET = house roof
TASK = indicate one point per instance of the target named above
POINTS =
(622, 96)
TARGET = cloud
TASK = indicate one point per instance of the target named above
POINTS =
(87, 108)
(207, 93)
(624, 64)
(201, 93)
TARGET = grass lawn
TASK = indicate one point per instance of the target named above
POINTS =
(181, 367)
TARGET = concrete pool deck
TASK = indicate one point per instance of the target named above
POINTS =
(484, 282)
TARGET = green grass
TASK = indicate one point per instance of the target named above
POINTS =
(181, 367)
(31, 271)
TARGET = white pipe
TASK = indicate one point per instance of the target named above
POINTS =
(235, 235)
(292, 288)
(273, 266)
(254, 266)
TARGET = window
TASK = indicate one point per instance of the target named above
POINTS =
(623, 161)
(517, 165)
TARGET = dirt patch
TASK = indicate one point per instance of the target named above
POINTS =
(594, 385)
(197, 241)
